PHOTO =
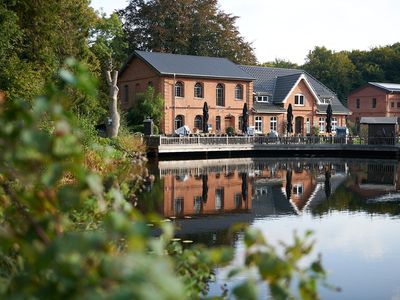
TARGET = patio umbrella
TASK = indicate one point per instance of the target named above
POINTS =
(204, 193)
(245, 119)
(244, 186)
(329, 119)
(327, 183)
(288, 183)
(205, 117)
(289, 119)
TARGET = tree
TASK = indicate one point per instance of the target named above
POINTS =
(280, 63)
(194, 27)
(149, 104)
(113, 105)
(35, 39)
(334, 69)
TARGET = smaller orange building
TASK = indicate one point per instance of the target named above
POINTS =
(374, 100)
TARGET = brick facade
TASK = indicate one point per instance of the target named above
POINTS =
(305, 117)
(361, 103)
(138, 75)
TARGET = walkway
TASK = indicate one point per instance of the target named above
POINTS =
(261, 144)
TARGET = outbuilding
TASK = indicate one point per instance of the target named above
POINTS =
(381, 130)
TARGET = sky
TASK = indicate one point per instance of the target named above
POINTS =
(289, 29)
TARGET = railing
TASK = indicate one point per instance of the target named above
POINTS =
(154, 141)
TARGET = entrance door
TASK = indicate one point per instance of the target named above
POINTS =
(229, 122)
(298, 127)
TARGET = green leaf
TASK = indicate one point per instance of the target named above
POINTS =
(52, 174)
(69, 197)
(246, 290)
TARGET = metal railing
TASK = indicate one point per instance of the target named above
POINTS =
(154, 141)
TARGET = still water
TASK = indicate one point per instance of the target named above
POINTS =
(352, 206)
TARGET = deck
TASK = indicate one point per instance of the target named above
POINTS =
(255, 145)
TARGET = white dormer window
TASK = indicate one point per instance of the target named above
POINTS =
(264, 99)
(299, 100)
(325, 101)
(298, 189)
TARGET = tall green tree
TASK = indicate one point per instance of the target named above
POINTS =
(334, 69)
(195, 27)
(36, 38)
(150, 104)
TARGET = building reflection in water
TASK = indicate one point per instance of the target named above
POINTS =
(206, 198)
(206, 193)
(256, 187)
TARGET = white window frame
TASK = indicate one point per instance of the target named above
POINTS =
(219, 198)
(197, 201)
(273, 124)
(239, 92)
(198, 120)
(325, 101)
(178, 206)
(218, 123)
(198, 90)
(262, 99)
(179, 118)
(298, 189)
(297, 99)
(258, 124)
(334, 123)
(308, 126)
(321, 126)
(237, 200)
(179, 89)
(220, 94)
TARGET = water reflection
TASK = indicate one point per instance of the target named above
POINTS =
(255, 188)
(353, 206)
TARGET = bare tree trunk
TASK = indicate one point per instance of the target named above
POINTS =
(113, 106)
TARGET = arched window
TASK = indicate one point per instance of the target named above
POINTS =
(179, 121)
(179, 89)
(239, 92)
(198, 90)
(220, 95)
(198, 122)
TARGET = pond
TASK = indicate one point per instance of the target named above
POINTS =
(352, 206)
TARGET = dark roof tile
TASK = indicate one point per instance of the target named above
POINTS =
(192, 66)
(277, 81)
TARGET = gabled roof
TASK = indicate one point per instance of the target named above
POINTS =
(279, 82)
(190, 66)
(390, 87)
(284, 85)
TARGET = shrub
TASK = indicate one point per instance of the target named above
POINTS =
(230, 131)
(137, 128)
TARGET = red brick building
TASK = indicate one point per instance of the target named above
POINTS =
(186, 82)
(374, 100)
(276, 88)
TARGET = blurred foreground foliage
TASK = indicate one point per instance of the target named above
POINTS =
(69, 229)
